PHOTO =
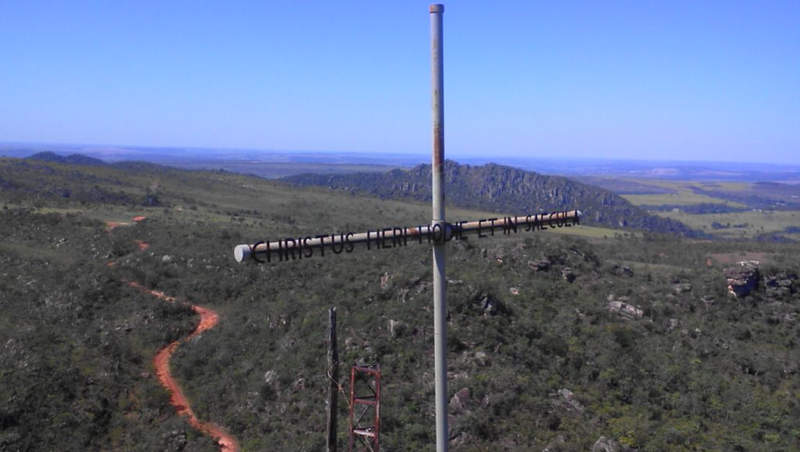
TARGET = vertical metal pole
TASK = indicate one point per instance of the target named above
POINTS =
(437, 186)
(352, 405)
(333, 380)
(377, 423)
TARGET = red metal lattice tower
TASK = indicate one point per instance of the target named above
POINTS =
(368, 434)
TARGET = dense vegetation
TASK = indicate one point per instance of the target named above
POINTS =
(534, 338)
(76, 343)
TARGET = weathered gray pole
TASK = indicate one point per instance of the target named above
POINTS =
(437, 183)
(333, 380)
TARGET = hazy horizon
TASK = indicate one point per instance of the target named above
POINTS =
(25, 149)
(273, 164)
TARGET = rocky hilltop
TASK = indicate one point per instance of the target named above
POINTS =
(72, 159)
(501, 189)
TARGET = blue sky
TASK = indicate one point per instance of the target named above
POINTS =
(646, 80)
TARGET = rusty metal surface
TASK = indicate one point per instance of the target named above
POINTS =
(437, 107)
(366, 435)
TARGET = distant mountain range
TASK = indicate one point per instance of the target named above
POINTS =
(276, 163)
(498, 188)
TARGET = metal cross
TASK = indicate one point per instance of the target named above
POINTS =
(438, 233)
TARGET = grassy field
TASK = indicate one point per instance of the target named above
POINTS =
(693, 203)
(654, 193)
(683, 196)
(676, 185)
(739, 224)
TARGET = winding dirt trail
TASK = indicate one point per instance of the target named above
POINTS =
(111, 225)
(208, 319)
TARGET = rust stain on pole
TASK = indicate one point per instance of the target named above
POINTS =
(438, 220)
(438, 151)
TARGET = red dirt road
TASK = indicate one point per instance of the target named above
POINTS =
(110, 225)
(208, 319)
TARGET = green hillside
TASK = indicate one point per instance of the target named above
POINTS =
(504, 189)
(536, 335)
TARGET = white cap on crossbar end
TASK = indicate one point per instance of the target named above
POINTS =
(241, 252)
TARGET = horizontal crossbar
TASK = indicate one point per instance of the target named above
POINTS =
(304, 246)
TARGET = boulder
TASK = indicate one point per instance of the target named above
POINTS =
(623, 298)
(489, 305)
(460, 401)
(626, 310)
(566, 399)
(558, 444)
(742, 279)
(680, 288)
(461, 439)
(604, 444)
(541, 265)
(397, 328)
(622, 270)
(627, 271)
(482, 358)
(270, 377)
(385, 280)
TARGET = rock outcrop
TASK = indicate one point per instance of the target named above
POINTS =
(682, 287)
(566, 400)
(397, 328)
(541, 265)
(742, 279)
(500, 188)
(623, 308)
(460, 402)
(604, 444)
